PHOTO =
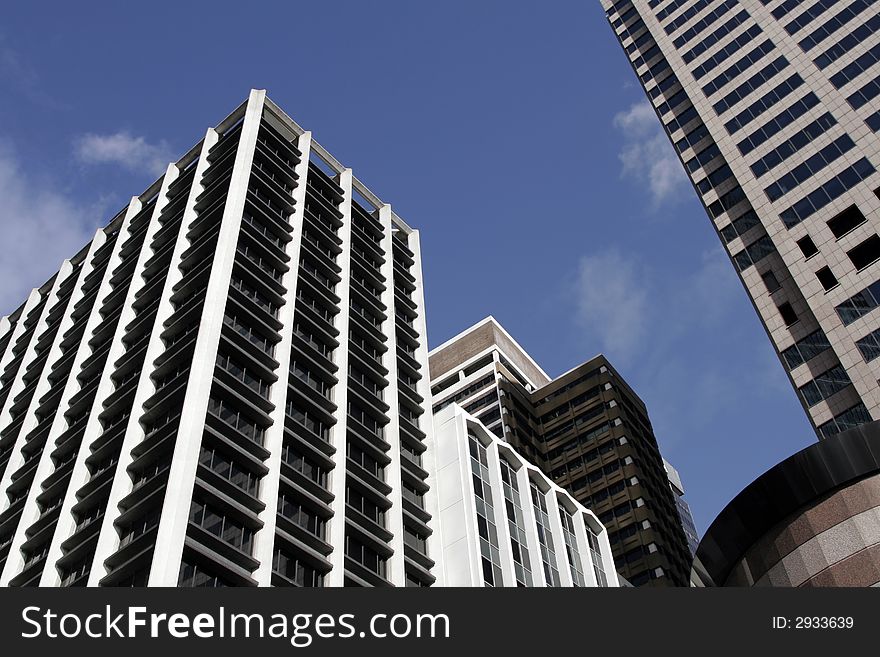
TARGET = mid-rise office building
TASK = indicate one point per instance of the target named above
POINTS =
(227, 386)
(773, 107)
(587, 430)
(502, 522)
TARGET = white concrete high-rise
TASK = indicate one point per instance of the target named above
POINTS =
(773, 107)
(228, 385)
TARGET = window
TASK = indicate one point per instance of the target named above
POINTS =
(859, 304)
(777, 123)
(764, 103)
(810, 167)
(545, 536)
(365, 556)
(770, 281)
(807, 247)
(220, 525)
(850, 418)
(489, 554)
(834, 188)
(846, 221)
(834, 23)
(870, 346)
(740, 226)
(796, 142)
(754, 253)
(516, 525)
(716, 36)
(824, 385)
(295, 570)
(865, 253)
(788, 314)
(826, 278)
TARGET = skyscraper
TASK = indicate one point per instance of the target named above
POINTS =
(226, 386)
(587, 430)
(772, 107)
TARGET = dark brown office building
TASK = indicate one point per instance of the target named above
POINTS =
(588, 431)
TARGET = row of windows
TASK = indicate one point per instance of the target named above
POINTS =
(785, 8)
(675, 5)
(516, 525)
(738, 68)
(723, 54)
(490, 555)
(812, 165)
(824, 385)
(778, 123)
(647, 56)
(294, 569)
(692, 138)
(865, 95)
(581, 419)
(703, 158)
(715, 37)
(583, 439)
(873, 121)
(574, 558)
(714, 179)
(562, 409)
(663, 86)
(466, 392)
(704, 23)
(726, 202)
(809, 15)
(290, 508)
(792, 145)
(849, 419)
(805, 349)
(226, 529)
(740, 226)
(831, 190)
(764, 103)
(754, 253)
(848, 42)
(749, 86)
(682, 119)
(545, 536)
(855, 68)
(834, 23)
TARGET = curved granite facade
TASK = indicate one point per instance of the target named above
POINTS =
(812, 520)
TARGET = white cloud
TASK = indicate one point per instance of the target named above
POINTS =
(121, 148)
(611, 302)
(647, 156)
(40, 227)
(678, 335)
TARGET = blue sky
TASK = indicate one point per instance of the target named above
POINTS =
(513, 135)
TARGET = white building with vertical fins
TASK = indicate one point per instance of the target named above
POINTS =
(227, 386)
